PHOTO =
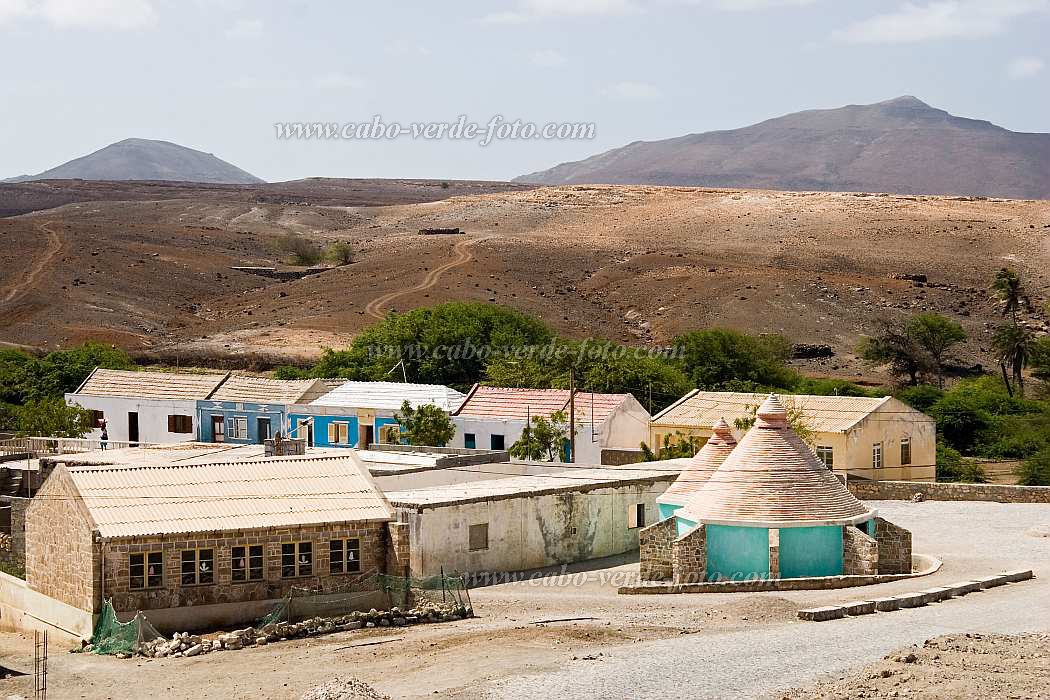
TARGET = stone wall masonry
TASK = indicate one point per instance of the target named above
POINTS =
(908, 490)
(689, 556)
(655, 544)
(860, 553)
(18, 508)
(398, 553)
(894, 552)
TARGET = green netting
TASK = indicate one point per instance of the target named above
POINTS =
(111, 636)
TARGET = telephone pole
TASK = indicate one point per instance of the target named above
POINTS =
(572, 416)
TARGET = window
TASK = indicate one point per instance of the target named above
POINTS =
(146, 570)
(876, 456)
(478, 537)
(247, 563)
(905, 451)
(96, 418)
(496, 442)
(238, 429)
(826, 455)
(297, 559)
(180, 424)
(338, 433)
(345, 556)
(636, 516)
(470, 441)
(198, 567)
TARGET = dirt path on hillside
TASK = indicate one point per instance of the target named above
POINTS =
(463, 255)
(54, 245)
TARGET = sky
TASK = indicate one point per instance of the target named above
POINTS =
(219, 75)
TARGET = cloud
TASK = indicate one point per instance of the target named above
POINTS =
(534, 10)
(246, 29)
(748, 5)
(632, 91)
(547, 58)
(88, 14)
(943, 19)
(1025, 67)
(338, 81)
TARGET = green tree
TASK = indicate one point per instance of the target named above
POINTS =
(677, 446)
(425, 425)
(936, 335)
(921, 397)
(720, 359)
(543, 439)
(796, 420)
(1008, 288)
(1014, 346)
(339, 253)
(24, 377)
(1035, 471)
(952, 466)
(896, 346)
(52, 418)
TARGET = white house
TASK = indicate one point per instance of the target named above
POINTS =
(158, 407)
(494, 418)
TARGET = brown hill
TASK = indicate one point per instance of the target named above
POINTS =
(902, 145)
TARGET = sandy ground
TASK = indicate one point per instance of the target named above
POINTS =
(697, 646)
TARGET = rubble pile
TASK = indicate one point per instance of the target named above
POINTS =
(183, 644)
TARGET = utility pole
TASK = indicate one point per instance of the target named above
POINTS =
(572, 416)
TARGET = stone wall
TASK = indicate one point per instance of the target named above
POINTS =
(398, 553)
(894, 544)
(655, 544)
(689, 556)
(907, 490)
(860, 553)
(620, 457)
(17, 508)
(174, 595)
(62, 558)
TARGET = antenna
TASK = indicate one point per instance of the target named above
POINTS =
(400, 363)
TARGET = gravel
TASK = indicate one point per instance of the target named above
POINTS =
(344, 689)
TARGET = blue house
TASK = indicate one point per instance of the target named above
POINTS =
(356, 413)
(248, 410)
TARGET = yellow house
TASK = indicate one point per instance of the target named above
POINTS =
(881, 439)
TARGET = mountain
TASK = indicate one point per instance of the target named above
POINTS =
(142, 159)
(902, 145)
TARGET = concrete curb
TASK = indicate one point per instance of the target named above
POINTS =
(831, 612)
(887, 604)
(861, 607)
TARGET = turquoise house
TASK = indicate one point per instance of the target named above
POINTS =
(698, 470)
(248, 410)
(358, 414)
(772, 509)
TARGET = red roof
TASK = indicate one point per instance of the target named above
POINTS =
(519, 404)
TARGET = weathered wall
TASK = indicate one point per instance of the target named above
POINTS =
(25, 610)
(655, 545)
(906, 491)
(225, 590)
(888, 425)
(18, 507)
(398, 549)
(689, 556)
(894, 547)
(860, 553)
(618, 457)
(153, 417)
(390, 482)
(61, 556)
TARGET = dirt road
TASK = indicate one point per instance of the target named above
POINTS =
(463, 255)
(54, 245)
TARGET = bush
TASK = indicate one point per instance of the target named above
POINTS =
(425, 425)
(715, 360)
(291, 372)
(952, 466)
(1035, 471)
(24, 377)
(299, 250)
(921, 397)
(52, 418)
(341, 253)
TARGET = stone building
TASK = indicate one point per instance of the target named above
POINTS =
(698, 469)
(772, 510)
(208, 544)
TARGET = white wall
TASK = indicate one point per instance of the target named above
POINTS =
(153, 416)
(24, 610)
(587, 452)
(462, 474)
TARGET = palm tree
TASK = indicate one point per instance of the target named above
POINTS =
(1013, 345)
(1008, 288)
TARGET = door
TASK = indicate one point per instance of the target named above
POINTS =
(264, 430)
(218, 429)
(367, 436)
(133, 427)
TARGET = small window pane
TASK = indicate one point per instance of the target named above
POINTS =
(255, 562)
(287, 560)
(336, 563)
(205, 566)
(189, 567)
(239, 564)
(154, 570)
(306, 559)
(353, 555)
(137, 565)
(478, 537)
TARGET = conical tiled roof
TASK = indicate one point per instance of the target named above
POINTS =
(773, 479)
(701, 466)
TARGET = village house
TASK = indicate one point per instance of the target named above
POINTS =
(148, 407)
(880, 439)
(358, 414)
(494, 418)
(199, 545)
(250, 410)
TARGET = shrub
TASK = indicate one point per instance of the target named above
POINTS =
(340, 253)
(718, 359)
(921, 397)
(425, 425)
(52, 418)
(1035, 471)
(952, 466)
(298, 250)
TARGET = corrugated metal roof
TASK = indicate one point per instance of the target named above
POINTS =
(519, 404)
(173, 386)
(267, 391)
(177, 499)
(773, 479)
(388, 396)
(703, 464)
(822, 414)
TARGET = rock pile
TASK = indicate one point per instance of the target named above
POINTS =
(183, 644)
(349, 689)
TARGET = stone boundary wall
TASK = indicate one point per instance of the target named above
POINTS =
(689, 556)
(908, 490)
(655, 544)
(894, 547)
(860, 553)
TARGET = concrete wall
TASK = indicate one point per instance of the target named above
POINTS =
(153, 417)
(230, 410)
(354, 418)
(528, 532)
(24, 610)
(906, 491)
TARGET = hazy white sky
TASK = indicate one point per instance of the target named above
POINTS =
(216, 75)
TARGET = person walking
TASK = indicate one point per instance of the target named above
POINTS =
(105, 435)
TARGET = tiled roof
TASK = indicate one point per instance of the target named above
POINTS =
(518, 404)
(263, 390)
(388, 396)
(176, 386)
(175, 499)
(773, 479)
(822, 414)
(700, 468)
